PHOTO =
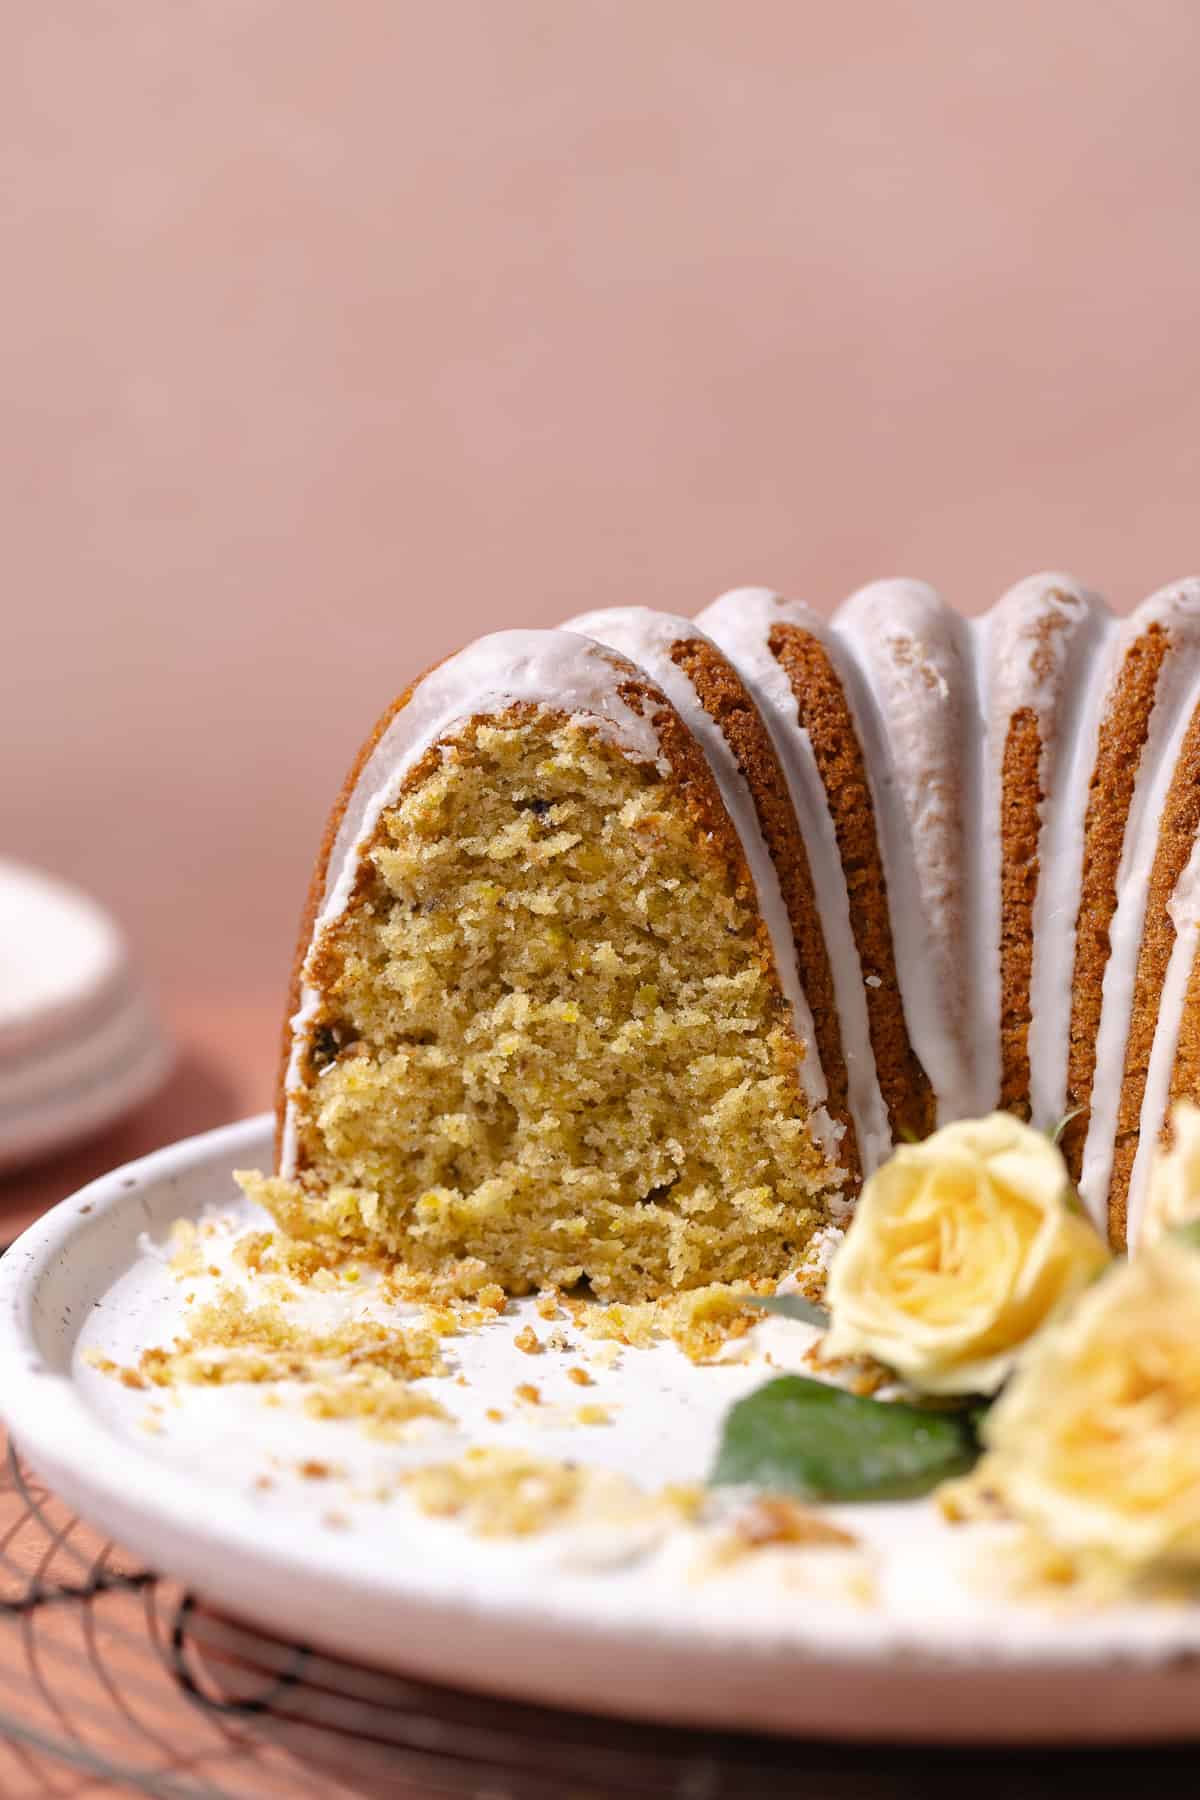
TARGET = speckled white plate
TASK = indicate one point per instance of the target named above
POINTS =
(642, 1621)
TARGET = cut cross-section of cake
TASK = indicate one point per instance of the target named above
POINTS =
(545, 1020)
(715, 704)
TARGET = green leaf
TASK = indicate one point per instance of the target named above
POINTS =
(818, 1442)
(793, 1306)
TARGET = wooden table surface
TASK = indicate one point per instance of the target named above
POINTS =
(76, 1651)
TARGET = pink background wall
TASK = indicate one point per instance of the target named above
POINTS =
(336, 333)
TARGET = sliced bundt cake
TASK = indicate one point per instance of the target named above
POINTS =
(1018, 798)
(634, 946)
(545, 1017)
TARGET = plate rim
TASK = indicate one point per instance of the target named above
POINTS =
(112, 1483)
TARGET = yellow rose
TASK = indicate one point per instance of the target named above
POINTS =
(1096, 1444)
(961, 1247)
(1173, 1191)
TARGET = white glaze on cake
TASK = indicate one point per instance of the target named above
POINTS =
(647, 638)
(912, 655)
(1042, 648)
(1177, 610)
(1051, 647)
(932, 698)
(740, 624)
(1185, 917)
(566, 673)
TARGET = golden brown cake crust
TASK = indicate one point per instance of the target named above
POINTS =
(727, 702)
(1020, 823)
(1176, 839)
(824, 713)
(1185, 1075)
(1123, 734)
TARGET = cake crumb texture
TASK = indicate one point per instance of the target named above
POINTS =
(499, 1492)
(725, 698)
(701, 1323)
(229, 1339)
(382, 1403)
(553, 1047)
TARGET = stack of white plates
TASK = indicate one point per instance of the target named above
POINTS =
(79, 1044)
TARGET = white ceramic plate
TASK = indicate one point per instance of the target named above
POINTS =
(624, 1621)
(79, 1043)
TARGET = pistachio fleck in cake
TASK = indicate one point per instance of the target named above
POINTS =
(633, 947)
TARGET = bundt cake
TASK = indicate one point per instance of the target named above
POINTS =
(634, 946)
